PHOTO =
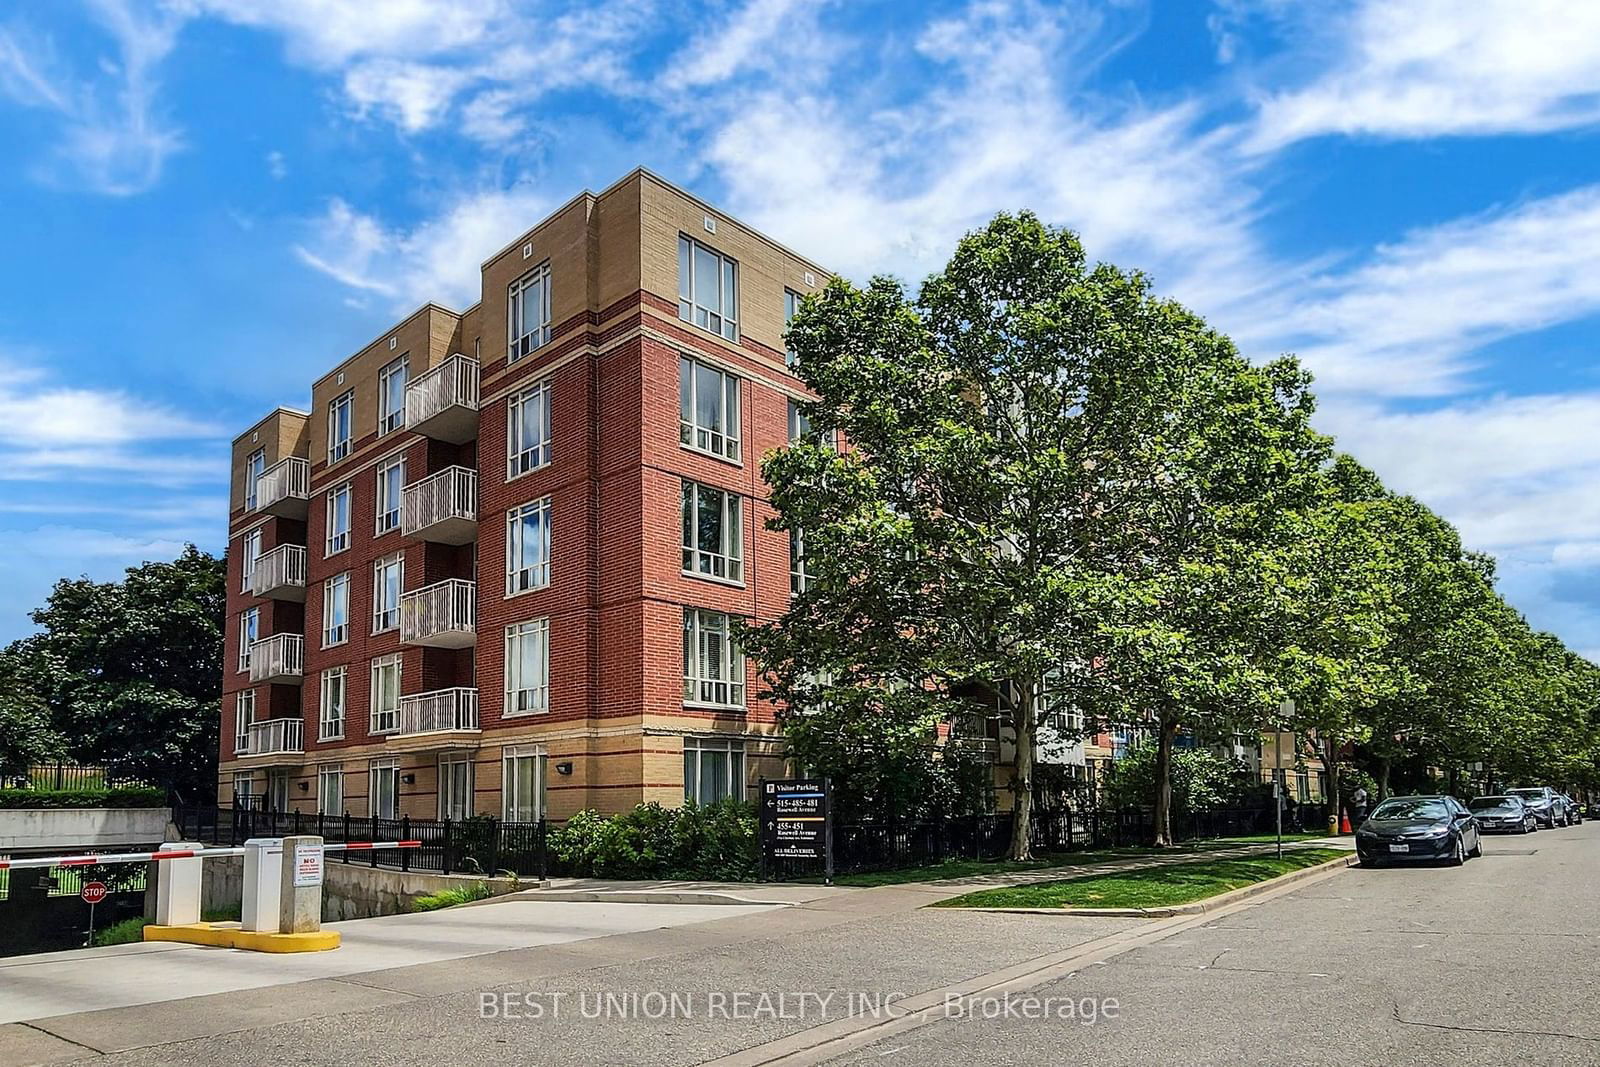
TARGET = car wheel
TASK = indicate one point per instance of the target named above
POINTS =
(1477, 846)
(1459, 856)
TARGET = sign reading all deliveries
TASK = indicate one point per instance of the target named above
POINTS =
(307, 866)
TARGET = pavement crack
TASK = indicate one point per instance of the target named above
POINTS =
(60, 1037)
(1489, 1029)
(347, 980)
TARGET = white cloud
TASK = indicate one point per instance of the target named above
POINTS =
(276, 166)
(329, 33)
(413, 96)
(747, 37)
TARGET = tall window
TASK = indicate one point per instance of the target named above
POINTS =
(528, 547)
(713, 534)
(249, 552)
(455, 787)
(254, 468)
(392, 396)
(339, 518)
(330, 789)
(713, 666)
(800, 426)
(249, 634)
(528, 667)
(391, 480)
(528, 430)
(244, 713)
(386, 694)
(243, 789)
(713, 769)
(799, 579)
(528, 313)
(522, 788)
(388, 574)
(336, 610)
(277, 789)
(708, 409)
(334, 687)
(791, 304)
(708, 289)
(383, 789)
(339, 426)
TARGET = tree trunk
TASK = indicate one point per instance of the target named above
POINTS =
(1026, 729)
(1383, 778)
(1454, 780)
(1167, 732)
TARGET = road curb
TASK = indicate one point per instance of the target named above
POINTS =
(639, 896)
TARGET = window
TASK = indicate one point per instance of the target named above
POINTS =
(528, 547)
(278, 789)
(708, 409)
(528, 313)
(383, 789)
(708, 289)
(713, 770)
(455, 787)
(713, 536)
(339, 426)
(799, 578)
(713, 667)
(386, 694)
(249, 552)
(330, 789)
(254, 468)
(391, 479)
(249, 633)
(800, 426)
(523, 776)
(339, 518)
(528, 667)
(336, 610)
(791, 304)
(392, 396)
(244, 713)
(243, 789)
(528, 430)
(388, 574)
(334, 687)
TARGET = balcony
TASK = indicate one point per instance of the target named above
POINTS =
(279, 658)
(280, 574)
(443, 403)
(442, 507)
(285, 488)
(439, 712)
(441, 615)
(275, 736)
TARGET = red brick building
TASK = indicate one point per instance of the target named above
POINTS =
(492, 569)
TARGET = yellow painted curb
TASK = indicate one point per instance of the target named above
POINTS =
(230, 936)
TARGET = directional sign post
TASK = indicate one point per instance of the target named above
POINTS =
(796, 822)
(92, 894)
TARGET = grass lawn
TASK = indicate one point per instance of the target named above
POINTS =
(1153, 887)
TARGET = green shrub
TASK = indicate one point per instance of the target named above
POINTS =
(132, 796)
(449, 898)
(717, 842)
(125, 932)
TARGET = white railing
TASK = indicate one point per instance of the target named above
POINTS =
(289, 479)
(450, 494)
(276, 735)
(453, 383)
(439, 711)
(284, 566)
(444, 613)
(278, 656)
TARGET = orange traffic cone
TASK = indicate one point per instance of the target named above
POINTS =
(1344, 822)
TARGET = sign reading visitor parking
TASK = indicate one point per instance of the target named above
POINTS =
(93, 892)
(795, 821)
(307, 866)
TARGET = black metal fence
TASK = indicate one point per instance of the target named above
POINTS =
(69, 776)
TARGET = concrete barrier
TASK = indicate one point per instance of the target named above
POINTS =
(66, 829)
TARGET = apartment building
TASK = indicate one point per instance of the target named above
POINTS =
(492, 569)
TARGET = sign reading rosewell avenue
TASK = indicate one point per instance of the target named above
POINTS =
(795, 822)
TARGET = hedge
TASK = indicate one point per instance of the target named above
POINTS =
(716, 843)
(132, 796)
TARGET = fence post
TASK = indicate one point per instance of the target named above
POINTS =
(445, 851)
(347, 835)
(496, 828)
(543, 865)
(405, 835)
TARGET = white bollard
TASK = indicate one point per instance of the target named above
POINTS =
(178, 885)
(263, 875)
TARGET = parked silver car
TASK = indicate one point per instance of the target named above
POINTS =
(1503, 815)
(1545, 803)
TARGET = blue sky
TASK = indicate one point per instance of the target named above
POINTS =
(205, 203)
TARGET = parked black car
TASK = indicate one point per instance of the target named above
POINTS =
(1574, 811)
(1545, 803)
(1503, 815)
(1418, 828)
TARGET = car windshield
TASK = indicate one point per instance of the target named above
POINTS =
(1495, 804)
(1411, 808)
(1528, 794)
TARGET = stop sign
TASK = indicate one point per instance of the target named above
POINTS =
(93, 892)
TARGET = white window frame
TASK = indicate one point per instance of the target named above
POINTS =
(702, 688)
(514, 807)
(694, 290)
(333, 703)
(386, 615)
(249, 553)
(527, 696)
(254, 467)
(339, 445)
(723, 443)
(338, 540)
(248, 779)
(330, 786)
(695, 750)
(523, 336)
(249, 633)
(799, 578)
(445, 790)
(244, 713)
(387, 518)
(791, 305)
(392, 419)
(724, 562)
(277, 796)
(800, 426)
(389, 768)
(521, 576)
(334, 590)
(384, 720)
(521, 456)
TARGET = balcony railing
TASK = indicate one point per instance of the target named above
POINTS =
(442, 507)
(442, 615)
(275, 735)
(284, 488)
(280, 573)
(279, 658)
(443, 403)
(441, 711)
